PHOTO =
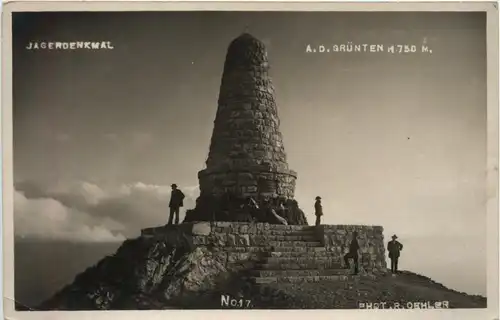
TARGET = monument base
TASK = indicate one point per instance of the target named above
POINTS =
(244, 209)
(288, 253)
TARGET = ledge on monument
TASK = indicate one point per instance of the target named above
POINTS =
(204, 228)
(349, 227)
(193, 228)
(253, 169)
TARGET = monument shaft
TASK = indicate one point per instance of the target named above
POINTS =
(247, 156)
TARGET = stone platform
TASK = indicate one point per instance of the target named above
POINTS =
(281, 253)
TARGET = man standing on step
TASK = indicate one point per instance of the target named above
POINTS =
(394, 247)
(353, 253)
(176, 202)
(318, 210)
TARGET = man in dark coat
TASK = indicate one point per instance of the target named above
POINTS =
(394, 247)
(318, 210)
(176, 202)
(353, 253)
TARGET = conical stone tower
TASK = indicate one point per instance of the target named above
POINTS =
(247, 156)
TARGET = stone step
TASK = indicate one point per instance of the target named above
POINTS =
(289, 227)
(245, 227)
(298, 266)
(290, 233)
(300, 273)
(266, 251)
(243, 249)
(279, 244)
(266, 238)
(298, 249)
(302, 254)
(281, 260)
(291, 279)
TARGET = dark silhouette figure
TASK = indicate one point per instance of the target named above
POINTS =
(176, 202)
(394, 247)
(353, 253)
(318, 210)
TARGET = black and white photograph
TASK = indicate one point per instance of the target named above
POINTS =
(256, 159)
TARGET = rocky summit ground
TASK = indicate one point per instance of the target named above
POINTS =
(402, 291)
(149, 274)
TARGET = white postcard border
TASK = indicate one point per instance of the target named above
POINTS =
(491, 8)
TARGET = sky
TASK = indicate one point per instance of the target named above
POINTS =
(397, 140)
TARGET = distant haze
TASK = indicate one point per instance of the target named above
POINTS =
(385, 139)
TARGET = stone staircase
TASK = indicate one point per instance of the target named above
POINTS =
(297, 256)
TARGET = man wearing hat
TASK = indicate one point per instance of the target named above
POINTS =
(176, 202)
(394, 247)
(318, 210)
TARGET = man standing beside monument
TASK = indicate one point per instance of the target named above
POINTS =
(353, 253)
(318, 210)
(394, 247)
(176, 202)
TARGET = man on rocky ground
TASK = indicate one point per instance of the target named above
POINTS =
(176, 202)
(318, 210)
(394, 248)
(353, 253)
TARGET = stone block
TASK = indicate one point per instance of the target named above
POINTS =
(252, 228)
(223, 224)
(218, 239)
(342, 232)
(243, 229)
(242, 240)
(231, 239)
(238, 256)
(201, 228)
(200, 240)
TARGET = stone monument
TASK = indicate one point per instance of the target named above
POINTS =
(247, 158)
(200, 264)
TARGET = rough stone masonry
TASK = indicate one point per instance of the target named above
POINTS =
(247, 156)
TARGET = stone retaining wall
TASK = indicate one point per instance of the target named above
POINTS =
(247, 240)
(336, 238)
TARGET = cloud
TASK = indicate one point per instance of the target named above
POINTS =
(46, 218)
(82, 211)
(62, 137)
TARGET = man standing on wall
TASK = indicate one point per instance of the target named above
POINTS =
(318, 210)
(176, 202)
(394, 247)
